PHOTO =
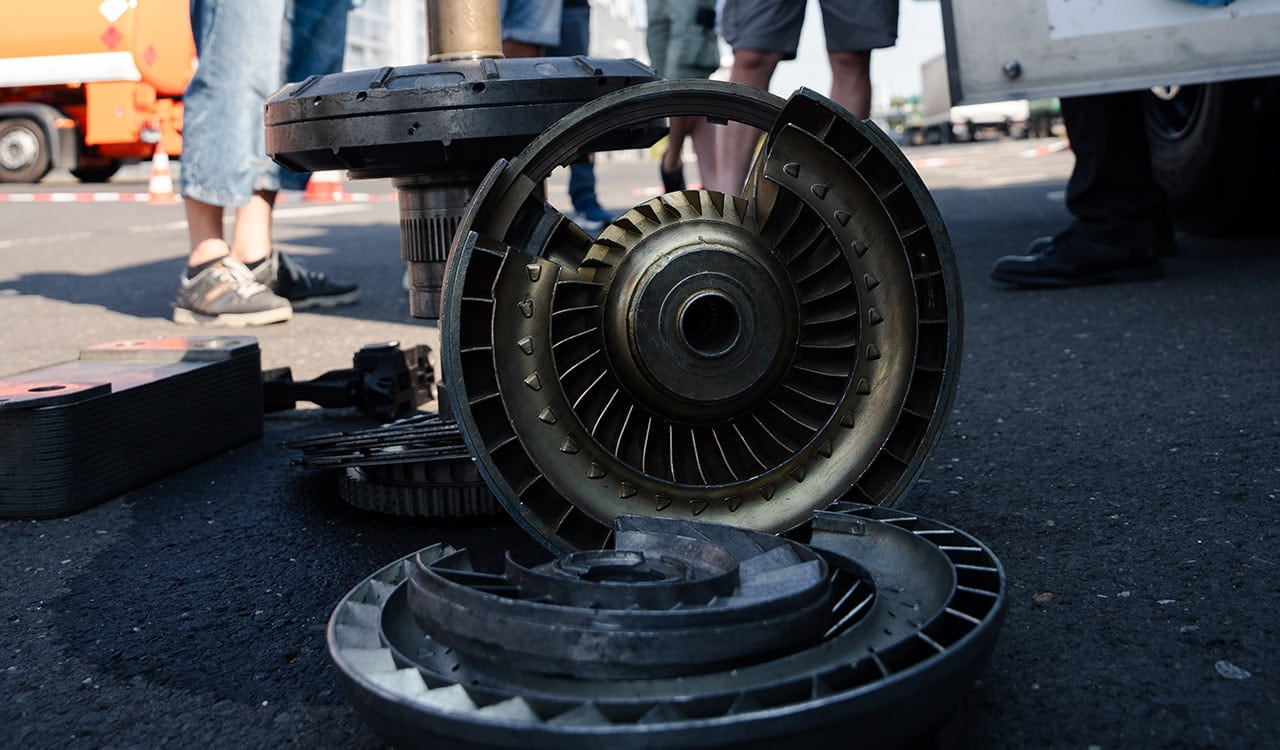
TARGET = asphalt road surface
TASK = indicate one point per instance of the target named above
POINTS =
(1118, 447)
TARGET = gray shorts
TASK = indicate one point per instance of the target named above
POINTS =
(774, 25)
(682, 39)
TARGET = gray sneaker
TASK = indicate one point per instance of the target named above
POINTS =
(303, 287)
(226, 294)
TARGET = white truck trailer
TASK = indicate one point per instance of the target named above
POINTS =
(1210, 70)
(939, 121)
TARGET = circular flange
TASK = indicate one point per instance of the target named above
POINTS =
(700, 318)
(667, 601)
(740, 359)
(915, 611)
(446, 115)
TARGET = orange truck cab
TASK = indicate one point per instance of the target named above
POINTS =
(88, 85)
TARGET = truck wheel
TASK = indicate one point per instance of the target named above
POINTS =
(24, 151)
(100, 173)
(1214, 152)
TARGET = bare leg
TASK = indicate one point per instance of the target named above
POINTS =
(679, 128)
(851, 81)
(252, 239)
(704, 145)
(737, 142)
(512, 48)
(204, 227)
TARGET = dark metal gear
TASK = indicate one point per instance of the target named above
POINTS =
(437, 128)
(417, 466)
(739, 359)
(419, 489)
(911, 610)
(445, 116)
(659, 604)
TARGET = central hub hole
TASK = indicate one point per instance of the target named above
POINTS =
(710, 324)
(606, 573)
(622, 566)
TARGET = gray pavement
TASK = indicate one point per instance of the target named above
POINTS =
(1118, 447)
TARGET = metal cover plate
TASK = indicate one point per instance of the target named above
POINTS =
(1066, 48)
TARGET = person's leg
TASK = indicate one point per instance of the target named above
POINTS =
(251, 242)
(762, 33)
(659, 40)
(1111, 194)
(683, 43)
(575, 32)
(575, 37)
(529, 26)
(238, 45)
(204, 227)
(678, 129)
(315, 45)
(512, 48)
(852, 29)
(851, 81)
(703, 135)
(582, 187)
(223, 158)
(736, 143)
(317, 42)
(1119, 224)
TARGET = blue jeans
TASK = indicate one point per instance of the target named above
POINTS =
(530, 21)
(575, 33)
(247, 51)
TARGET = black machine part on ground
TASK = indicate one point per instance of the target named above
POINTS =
(385, 381)
(417, 467)
(745, 360)
(436, 129)
(659, 604)
(125, 413)
(444, 116)
(910, 615)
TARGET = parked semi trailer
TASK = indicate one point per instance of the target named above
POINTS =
(937, 120)
(1209, 70)
(89, 85)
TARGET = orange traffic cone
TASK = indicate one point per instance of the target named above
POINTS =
(324, 187)
(160, 186)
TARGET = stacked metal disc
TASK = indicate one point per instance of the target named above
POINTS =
(659, 604)
(123, 414)
(417, 466)
(682, 634)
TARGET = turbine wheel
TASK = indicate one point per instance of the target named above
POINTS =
(903, 613)
(740, 359)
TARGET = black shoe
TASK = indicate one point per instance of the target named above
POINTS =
(304, 288)
(1067, 259)
(673, 181)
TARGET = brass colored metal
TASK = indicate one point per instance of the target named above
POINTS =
(463, 30)
(737, 359)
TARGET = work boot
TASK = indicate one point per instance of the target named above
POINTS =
(1067, 259)
(225, 293)
(302, 287)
